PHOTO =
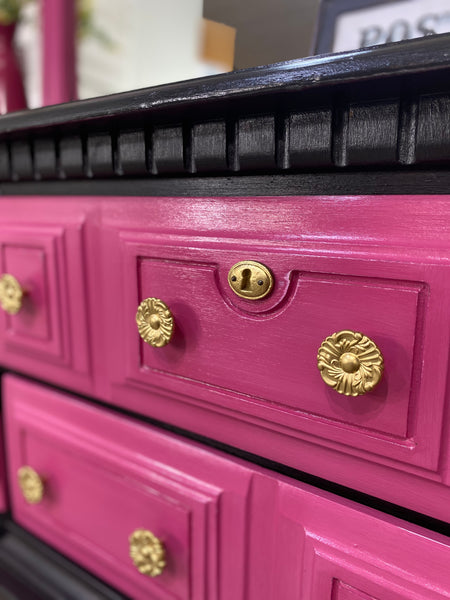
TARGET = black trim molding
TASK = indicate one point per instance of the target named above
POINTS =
(382, 109)
(31, 570)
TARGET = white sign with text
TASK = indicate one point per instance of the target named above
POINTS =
(391, 22)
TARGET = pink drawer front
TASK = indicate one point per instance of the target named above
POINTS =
(4, 497)
(325, 548)
(259, 358)
(44, 252)
(106, 477)
(267, 350)
(245, 372)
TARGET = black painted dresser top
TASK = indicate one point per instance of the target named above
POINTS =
(370, 121)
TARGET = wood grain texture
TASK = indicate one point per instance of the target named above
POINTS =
(209, 147)
(131, 153)
(45, 159)
(100, 155)
(386, 107)
(319, 183)
(71, 157)
(21, 161)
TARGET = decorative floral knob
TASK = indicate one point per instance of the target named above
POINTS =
(11, 294)
(31, 484)
(147, 552)
(155, 322)
(350, 362)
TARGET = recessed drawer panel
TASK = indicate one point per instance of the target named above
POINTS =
(260, 357)
(268, 351)
(43, 292)
(35, 324)
(147, 512)
(327, 548)
(246, 372)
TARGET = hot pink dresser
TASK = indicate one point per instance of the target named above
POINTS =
(225, 336)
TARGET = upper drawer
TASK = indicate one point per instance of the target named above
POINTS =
(260, 357)
(43, 290)
(246, 372)
(153, 515)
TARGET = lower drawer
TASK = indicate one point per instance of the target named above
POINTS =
(157, 516)
(329, 549)
(150, 514)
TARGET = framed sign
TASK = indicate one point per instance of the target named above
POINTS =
(352, 24)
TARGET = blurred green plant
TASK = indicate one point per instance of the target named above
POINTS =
(10, 13)
(87, 26)
(10, 10)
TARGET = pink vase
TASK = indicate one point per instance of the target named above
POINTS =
(12, 95)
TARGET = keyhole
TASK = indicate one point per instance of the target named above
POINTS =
(246, 277)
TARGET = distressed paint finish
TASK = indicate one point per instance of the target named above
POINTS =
(267, 536)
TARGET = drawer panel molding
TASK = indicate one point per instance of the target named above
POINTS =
(107, 477)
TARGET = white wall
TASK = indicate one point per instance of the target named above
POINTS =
(154, 42)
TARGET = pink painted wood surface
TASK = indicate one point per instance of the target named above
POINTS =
(4, 496)
(381, 263)
(217, 333)
(59, 57)
(44, 246)
(331, 550)
(250, 379)
(107, 476)
(232, 530)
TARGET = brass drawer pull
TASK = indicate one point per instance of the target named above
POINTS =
(155, 322)
(11, 294)
(147, 552)
(350, 363)
(31, 484)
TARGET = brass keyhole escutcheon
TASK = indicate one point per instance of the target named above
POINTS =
(250, 279)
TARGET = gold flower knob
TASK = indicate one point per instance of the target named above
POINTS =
(31, 484)
(350, 363)
(147, 552)
(11, 294)
(155, 322)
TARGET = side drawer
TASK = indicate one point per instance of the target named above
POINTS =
(229, 530)
(151, 514)
(327, 548)
(44, 324)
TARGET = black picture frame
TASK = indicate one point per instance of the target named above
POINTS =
(329, 11)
